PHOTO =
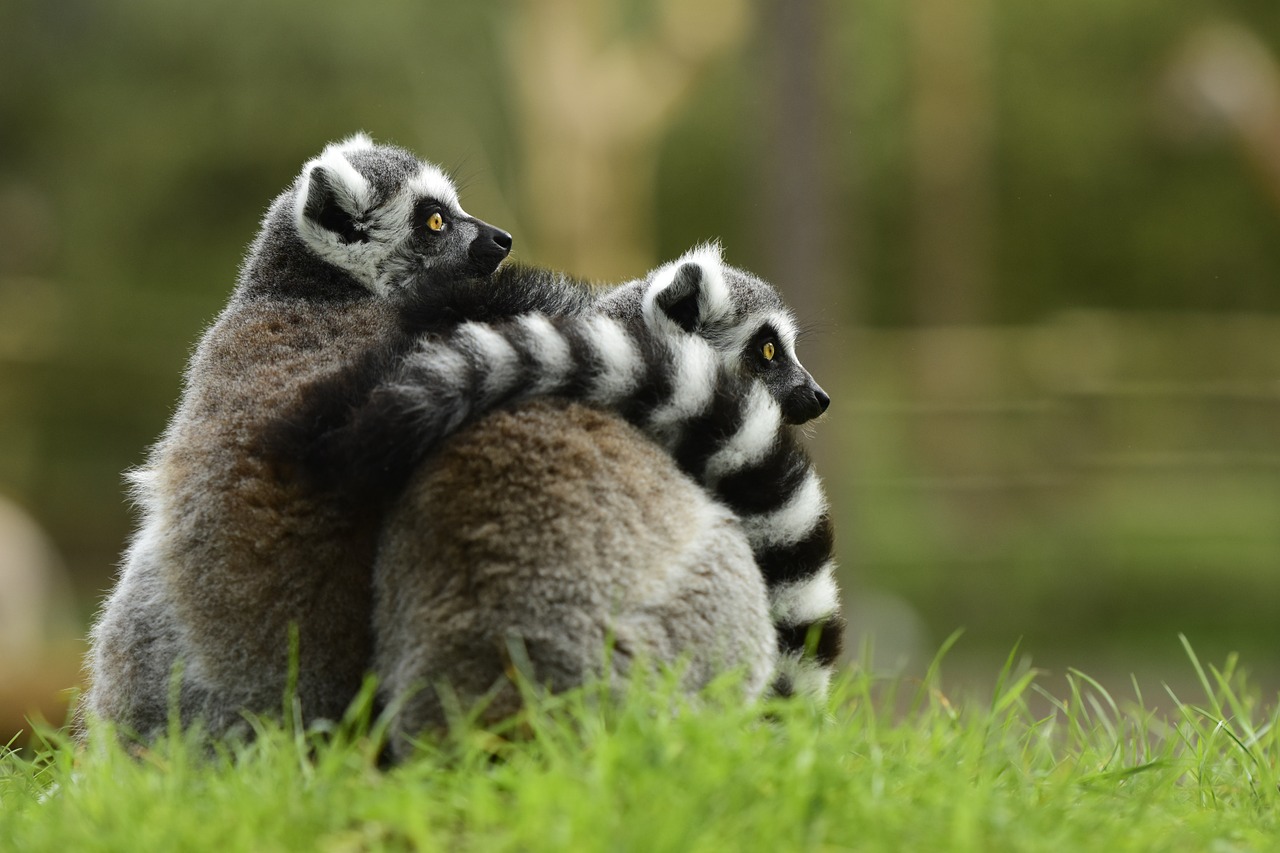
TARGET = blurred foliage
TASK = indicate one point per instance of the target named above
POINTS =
(141, 140)
(1097, 481)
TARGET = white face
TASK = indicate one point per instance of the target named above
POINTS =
(750, 330)
(379, 234)
(731, 307)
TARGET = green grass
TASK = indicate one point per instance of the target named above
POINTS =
(887, 765)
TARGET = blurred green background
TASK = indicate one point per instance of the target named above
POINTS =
(1037, 246)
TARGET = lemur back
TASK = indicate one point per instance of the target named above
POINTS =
(235, 551)
(536, 537)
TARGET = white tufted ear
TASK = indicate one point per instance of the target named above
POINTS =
(331, 187)
(358, 141)
(331, 205)
(709, 254)
(690, 292)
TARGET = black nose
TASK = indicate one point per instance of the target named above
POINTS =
(489, 248)
(502, 239)
(805, 403)
(823, 399)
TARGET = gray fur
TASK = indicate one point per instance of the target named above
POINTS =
(557, 528)
(234, 552)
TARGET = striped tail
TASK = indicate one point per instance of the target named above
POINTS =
(725, 431)
(742, 452)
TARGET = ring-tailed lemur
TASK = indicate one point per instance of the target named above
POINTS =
(233, 551)
(700, 356)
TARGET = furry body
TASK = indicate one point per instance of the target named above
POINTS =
(724, 426)
(235, 551)
(538, 536)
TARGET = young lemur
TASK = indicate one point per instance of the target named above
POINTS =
(700, 357)
(234, 551)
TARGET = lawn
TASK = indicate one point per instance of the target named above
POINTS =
(887, 764)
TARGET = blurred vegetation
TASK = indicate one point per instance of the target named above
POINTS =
(1039, 245)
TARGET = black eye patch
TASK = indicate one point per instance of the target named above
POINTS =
(755, 356)
(422, 213)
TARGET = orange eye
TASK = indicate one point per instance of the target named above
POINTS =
(768, 351)
(436, 222)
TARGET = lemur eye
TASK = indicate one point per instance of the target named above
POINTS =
(768, 351)
(436, 222)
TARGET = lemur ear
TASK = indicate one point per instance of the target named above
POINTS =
(682, 299)
(334, 206)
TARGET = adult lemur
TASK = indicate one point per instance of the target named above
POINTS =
(234, 551)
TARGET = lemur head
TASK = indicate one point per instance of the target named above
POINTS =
(379, 214)
(743, 318)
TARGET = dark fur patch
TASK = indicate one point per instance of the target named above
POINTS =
(821, 640)
(322, 206)
(770, 483)
(708, 432)
(655, 387)
(341, 440)
(286, 269)
(800, 560)
(680, 299)
(521, 340)
(351, 437)
(586, 363)
(438, 301)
